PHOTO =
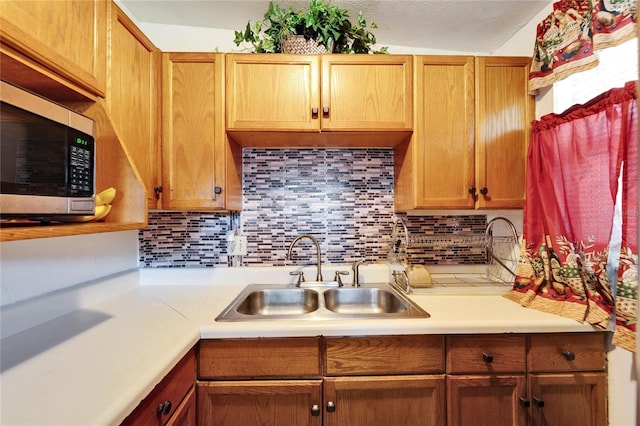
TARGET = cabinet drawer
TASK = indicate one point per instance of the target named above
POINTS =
(256, 358)
(566, 352)
(486, 354)
(169, 392)
(384, 355)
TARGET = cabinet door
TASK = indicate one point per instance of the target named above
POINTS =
(264, 402)
(568, 399)
(193, 139)
(504, 111)
(490, 400)
(273, 92)
(133, 99)
(66, 36)
(185, 414)
(385, 400)
(444, 134)
(364, 92)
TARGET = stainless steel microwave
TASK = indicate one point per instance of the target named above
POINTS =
(47, 157)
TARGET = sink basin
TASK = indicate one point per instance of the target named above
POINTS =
(363, 301)
(318, 301)
(290, 301)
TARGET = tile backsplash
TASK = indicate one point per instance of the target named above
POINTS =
(342, 197)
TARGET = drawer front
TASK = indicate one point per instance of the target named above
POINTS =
(345, 356)
(158, 407)
(486, 354)
(259, 358)
(566, 352)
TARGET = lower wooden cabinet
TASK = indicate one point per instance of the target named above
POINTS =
(562, 382)
(260, 402)
(172, 401)
(485, 400)
(384, 400)
(185, 414)
(456, 380)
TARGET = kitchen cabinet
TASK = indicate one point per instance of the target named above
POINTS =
(471, 134)
(384, 380)
(259, 381)
(519, 380)
(504, 112)
(195, 170)
(46, 62)
(65, 42)
(265, 402)
(485, 379)
(134, 99)
(332, 381)
(299, 100)
(567, 370)
(172, 401)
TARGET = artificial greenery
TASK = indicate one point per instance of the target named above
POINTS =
(328, 24)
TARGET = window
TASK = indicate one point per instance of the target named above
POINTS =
(617, 66)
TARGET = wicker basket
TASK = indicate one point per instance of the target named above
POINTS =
(299, 45)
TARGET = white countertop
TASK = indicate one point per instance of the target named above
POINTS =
(89, 355)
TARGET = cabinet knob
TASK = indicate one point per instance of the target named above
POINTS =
(488, 358)
(484, 190)
(568, 355)
(538, 402)
(472, 191)
(164, 408)
(325, 111)
(157, 190)
(524, 402)
(331, 407)
(314, 112)
(315, 410)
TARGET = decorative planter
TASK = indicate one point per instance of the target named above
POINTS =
(300, 45)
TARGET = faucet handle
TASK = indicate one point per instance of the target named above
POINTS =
(300, 275)
(338, 278)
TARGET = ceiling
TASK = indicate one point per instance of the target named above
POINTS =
(452, 25)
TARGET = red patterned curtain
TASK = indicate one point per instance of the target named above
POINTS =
(567, 39)
(573, 168)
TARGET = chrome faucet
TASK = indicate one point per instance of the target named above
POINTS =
(318, 255)
(356, 273)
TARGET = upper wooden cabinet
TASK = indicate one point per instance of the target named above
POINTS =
(194, 145)
(134, 99)
(64, 40)
(471, 134)
(504, 112)
(272, 99)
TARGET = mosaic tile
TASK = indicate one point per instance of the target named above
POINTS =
(343, 197)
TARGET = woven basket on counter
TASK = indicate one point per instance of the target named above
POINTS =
(301, 46)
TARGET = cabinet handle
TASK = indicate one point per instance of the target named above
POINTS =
(568, 355)
(484, 190)
(157, 190)
(331, 407)
(315, 410)
(472, 191)
(314, 112)
(525, 402)
(325, 111)
(164, 408)
(488, 358)
(538, 402)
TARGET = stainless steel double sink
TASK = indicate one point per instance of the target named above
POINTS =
(321, 300)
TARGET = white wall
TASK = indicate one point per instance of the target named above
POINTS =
(30, 268)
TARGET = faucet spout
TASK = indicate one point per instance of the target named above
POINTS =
(318, 254)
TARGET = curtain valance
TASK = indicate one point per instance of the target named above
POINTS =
(567, 39)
